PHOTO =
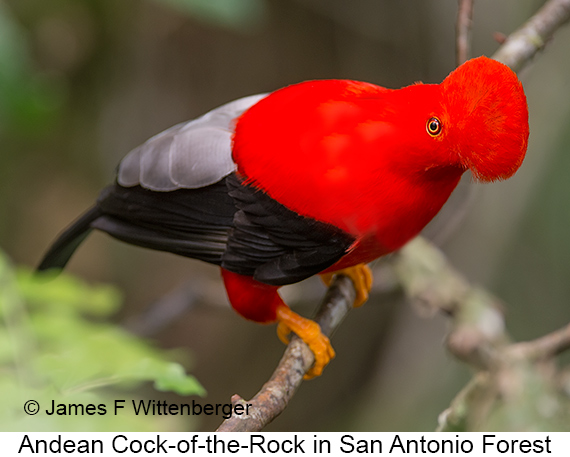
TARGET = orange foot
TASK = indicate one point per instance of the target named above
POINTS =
(361, 276)
(310, 332)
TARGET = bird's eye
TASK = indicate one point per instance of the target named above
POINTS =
(434, 126)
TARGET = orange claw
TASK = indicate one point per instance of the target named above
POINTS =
(361, 276)
(310, 332)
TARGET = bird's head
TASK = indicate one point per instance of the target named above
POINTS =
(483, 121)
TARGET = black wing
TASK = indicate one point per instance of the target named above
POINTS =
(63, 248)
(227, 223)
(189, 222)
(276, 245)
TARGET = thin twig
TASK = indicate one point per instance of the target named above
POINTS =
(463, 31)
(276, 393)
(521, 46)
(544, 347)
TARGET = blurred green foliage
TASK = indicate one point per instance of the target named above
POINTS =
(54, 345)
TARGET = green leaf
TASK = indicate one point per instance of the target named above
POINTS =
(66, 293)
(175, 379)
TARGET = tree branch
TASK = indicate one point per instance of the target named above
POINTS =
(521, 46)
(430, 283)
(544, 347)
(276, 393)
(463, 31)
(516, 387)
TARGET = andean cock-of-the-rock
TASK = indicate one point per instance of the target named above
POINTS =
(315, 178)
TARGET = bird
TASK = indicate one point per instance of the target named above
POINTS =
(320, 177)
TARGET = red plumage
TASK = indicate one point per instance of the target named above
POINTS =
(358, 156)
(329, 175)
(362, 157)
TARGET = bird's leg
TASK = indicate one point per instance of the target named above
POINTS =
(262, 303)
(310, 332)
(361, 277)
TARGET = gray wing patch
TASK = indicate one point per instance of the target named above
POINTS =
(187, 156)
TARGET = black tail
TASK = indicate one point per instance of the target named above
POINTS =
(63, 248)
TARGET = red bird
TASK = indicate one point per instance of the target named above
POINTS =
(321, 176)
